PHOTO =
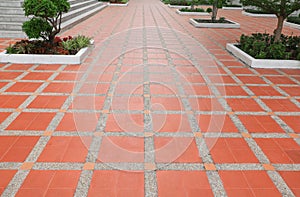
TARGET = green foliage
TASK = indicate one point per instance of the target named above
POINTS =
(281, 8)
(44, 11)
(31, 30)
(192, 10)
(264, 46)
(209, 10)
(253, 11)
(294, 19)
(75, 44)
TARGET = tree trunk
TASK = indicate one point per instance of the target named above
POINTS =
(278, 30)
(214, 10)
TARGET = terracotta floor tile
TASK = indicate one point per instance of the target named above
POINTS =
(293, 122)
(176, 150)
(280, 80)
(191, 78)
(183, 183)
(292, 91)
(50, 183)
(6, 176)
(125, 122)
(121, 149)
(292, 180)
(163, 89)
(24, 87)
(205, 104)
(128, 89)
(221, 79)
(264, 71)
(243, 104)
(284, 105)
(230, 150)
(31, 121)
(2, 84)
(11, 101)
(60, 87)
(216, 123)
(48, 67)
(170, 123)
(3, 116)
(78, 122)
(48, 102)
(130, 78)
(117, 183)
(93, 88)
(184, 69)
(232, 91)
(16, 149)
(161, 78)
(127, 103)
(260, 124)
(248, 183)
(68, 77)
(251, 80)
(65, 149)
(199, 90)
(280, 150)
(238, 70)
(37, 76)
(264, 91)
(166, 104)
(88, 102)
(19, 67)
(232, 63)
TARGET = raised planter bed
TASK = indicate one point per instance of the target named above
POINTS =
(231, 8)
(293, 25)
(258, 15)
(178, 6)
(192, 13)
(46, 59)
(118, 4)
(230, 25)
(261, 63)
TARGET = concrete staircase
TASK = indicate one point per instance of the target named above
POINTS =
(12, 15)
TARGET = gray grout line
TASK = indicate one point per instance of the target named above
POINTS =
(83, 183)
(14, 185)
(216, 183)
(280, 183)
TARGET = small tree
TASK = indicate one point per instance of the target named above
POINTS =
(281, 8)
(216, 5)
(46, 20)
(194, 3)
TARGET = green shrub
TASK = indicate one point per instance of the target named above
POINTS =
(46, 18)
(192, 10)
(257, 11)
(294, 19)
(263, 46)
(75, 44)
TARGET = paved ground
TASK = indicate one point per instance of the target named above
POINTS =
(159, 108)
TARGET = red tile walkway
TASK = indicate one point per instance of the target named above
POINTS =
(159, 108)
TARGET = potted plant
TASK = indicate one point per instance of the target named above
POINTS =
(264, 50)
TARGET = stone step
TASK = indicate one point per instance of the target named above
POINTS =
(11, 11)
(13, 4)
(71, 14)
(79, 5)
(70, 23)
(10, 26)
(12, 34)
(13, 18)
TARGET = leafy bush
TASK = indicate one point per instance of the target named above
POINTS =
(257, 11)
(263, 46)
(294, 19)
(192, 10)
(75, 44)
(177, 2)
(46, 18)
